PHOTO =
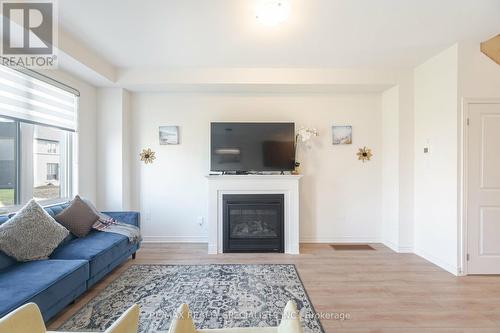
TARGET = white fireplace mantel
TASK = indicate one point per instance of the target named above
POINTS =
(288, 185)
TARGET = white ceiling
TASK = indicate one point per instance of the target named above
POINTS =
(318, 33)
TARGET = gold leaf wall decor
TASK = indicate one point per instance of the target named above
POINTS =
(364, 154)
(147, 156)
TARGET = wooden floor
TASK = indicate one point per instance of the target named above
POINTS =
(381, 291)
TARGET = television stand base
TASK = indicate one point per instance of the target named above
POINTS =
(235, 173)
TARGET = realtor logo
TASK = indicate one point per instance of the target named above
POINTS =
(29, 33)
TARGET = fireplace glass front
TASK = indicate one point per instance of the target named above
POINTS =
(253, 223)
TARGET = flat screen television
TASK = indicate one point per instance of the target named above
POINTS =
(246, 147)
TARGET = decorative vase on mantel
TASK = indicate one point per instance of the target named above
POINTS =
(304, 134)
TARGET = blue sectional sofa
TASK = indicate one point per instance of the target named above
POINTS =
(75, 266)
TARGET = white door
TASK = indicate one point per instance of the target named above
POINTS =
(483, 189)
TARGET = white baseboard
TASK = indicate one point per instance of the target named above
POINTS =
(175, 239)
(319, 240)
(203, 239)
(436, 261)
(397, 248)
(391, 245)
(406, 249)
(339, 240)
(212, 249)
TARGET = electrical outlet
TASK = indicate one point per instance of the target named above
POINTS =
(147, 216)
(200, 220)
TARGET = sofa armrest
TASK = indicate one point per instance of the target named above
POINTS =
(133, 218)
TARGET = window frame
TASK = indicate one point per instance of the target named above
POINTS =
(24, 177)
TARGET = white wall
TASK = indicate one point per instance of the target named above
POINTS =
(479, 76)
(398, 164)
(406, 117)
(86, 183)
(436, 173)
(441, 83)
(109, 149)
(390, 168)
(126, 151)
(113, 131)
(340, 196)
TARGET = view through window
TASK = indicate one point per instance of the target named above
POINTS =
(49, 147)
(8, 162)
(35, 162)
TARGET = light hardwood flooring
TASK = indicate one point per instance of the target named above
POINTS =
(380, 290)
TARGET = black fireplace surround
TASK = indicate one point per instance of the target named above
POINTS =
(253, 223)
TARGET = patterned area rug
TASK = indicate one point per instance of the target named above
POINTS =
(218, 296)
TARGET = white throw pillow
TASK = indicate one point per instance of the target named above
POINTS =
(31, 234)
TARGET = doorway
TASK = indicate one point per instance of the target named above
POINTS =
(482, 187)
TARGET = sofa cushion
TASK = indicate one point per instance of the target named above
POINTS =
(6, 261)
(56, 209)
(43, 282)
(78, 217)
(31, 234)
(99, 248)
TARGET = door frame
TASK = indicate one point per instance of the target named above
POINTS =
(463, 180)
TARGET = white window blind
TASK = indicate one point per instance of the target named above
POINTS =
(28, 99)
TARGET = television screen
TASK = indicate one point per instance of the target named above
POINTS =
(252, 146)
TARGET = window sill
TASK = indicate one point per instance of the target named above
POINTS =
(44, 203)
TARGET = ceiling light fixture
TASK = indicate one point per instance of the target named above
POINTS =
(272, 12)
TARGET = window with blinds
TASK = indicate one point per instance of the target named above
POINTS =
(31, 100)
(38, 124)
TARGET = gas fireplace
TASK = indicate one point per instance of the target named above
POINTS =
(253, 223)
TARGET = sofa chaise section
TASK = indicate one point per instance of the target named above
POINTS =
(52, 284)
